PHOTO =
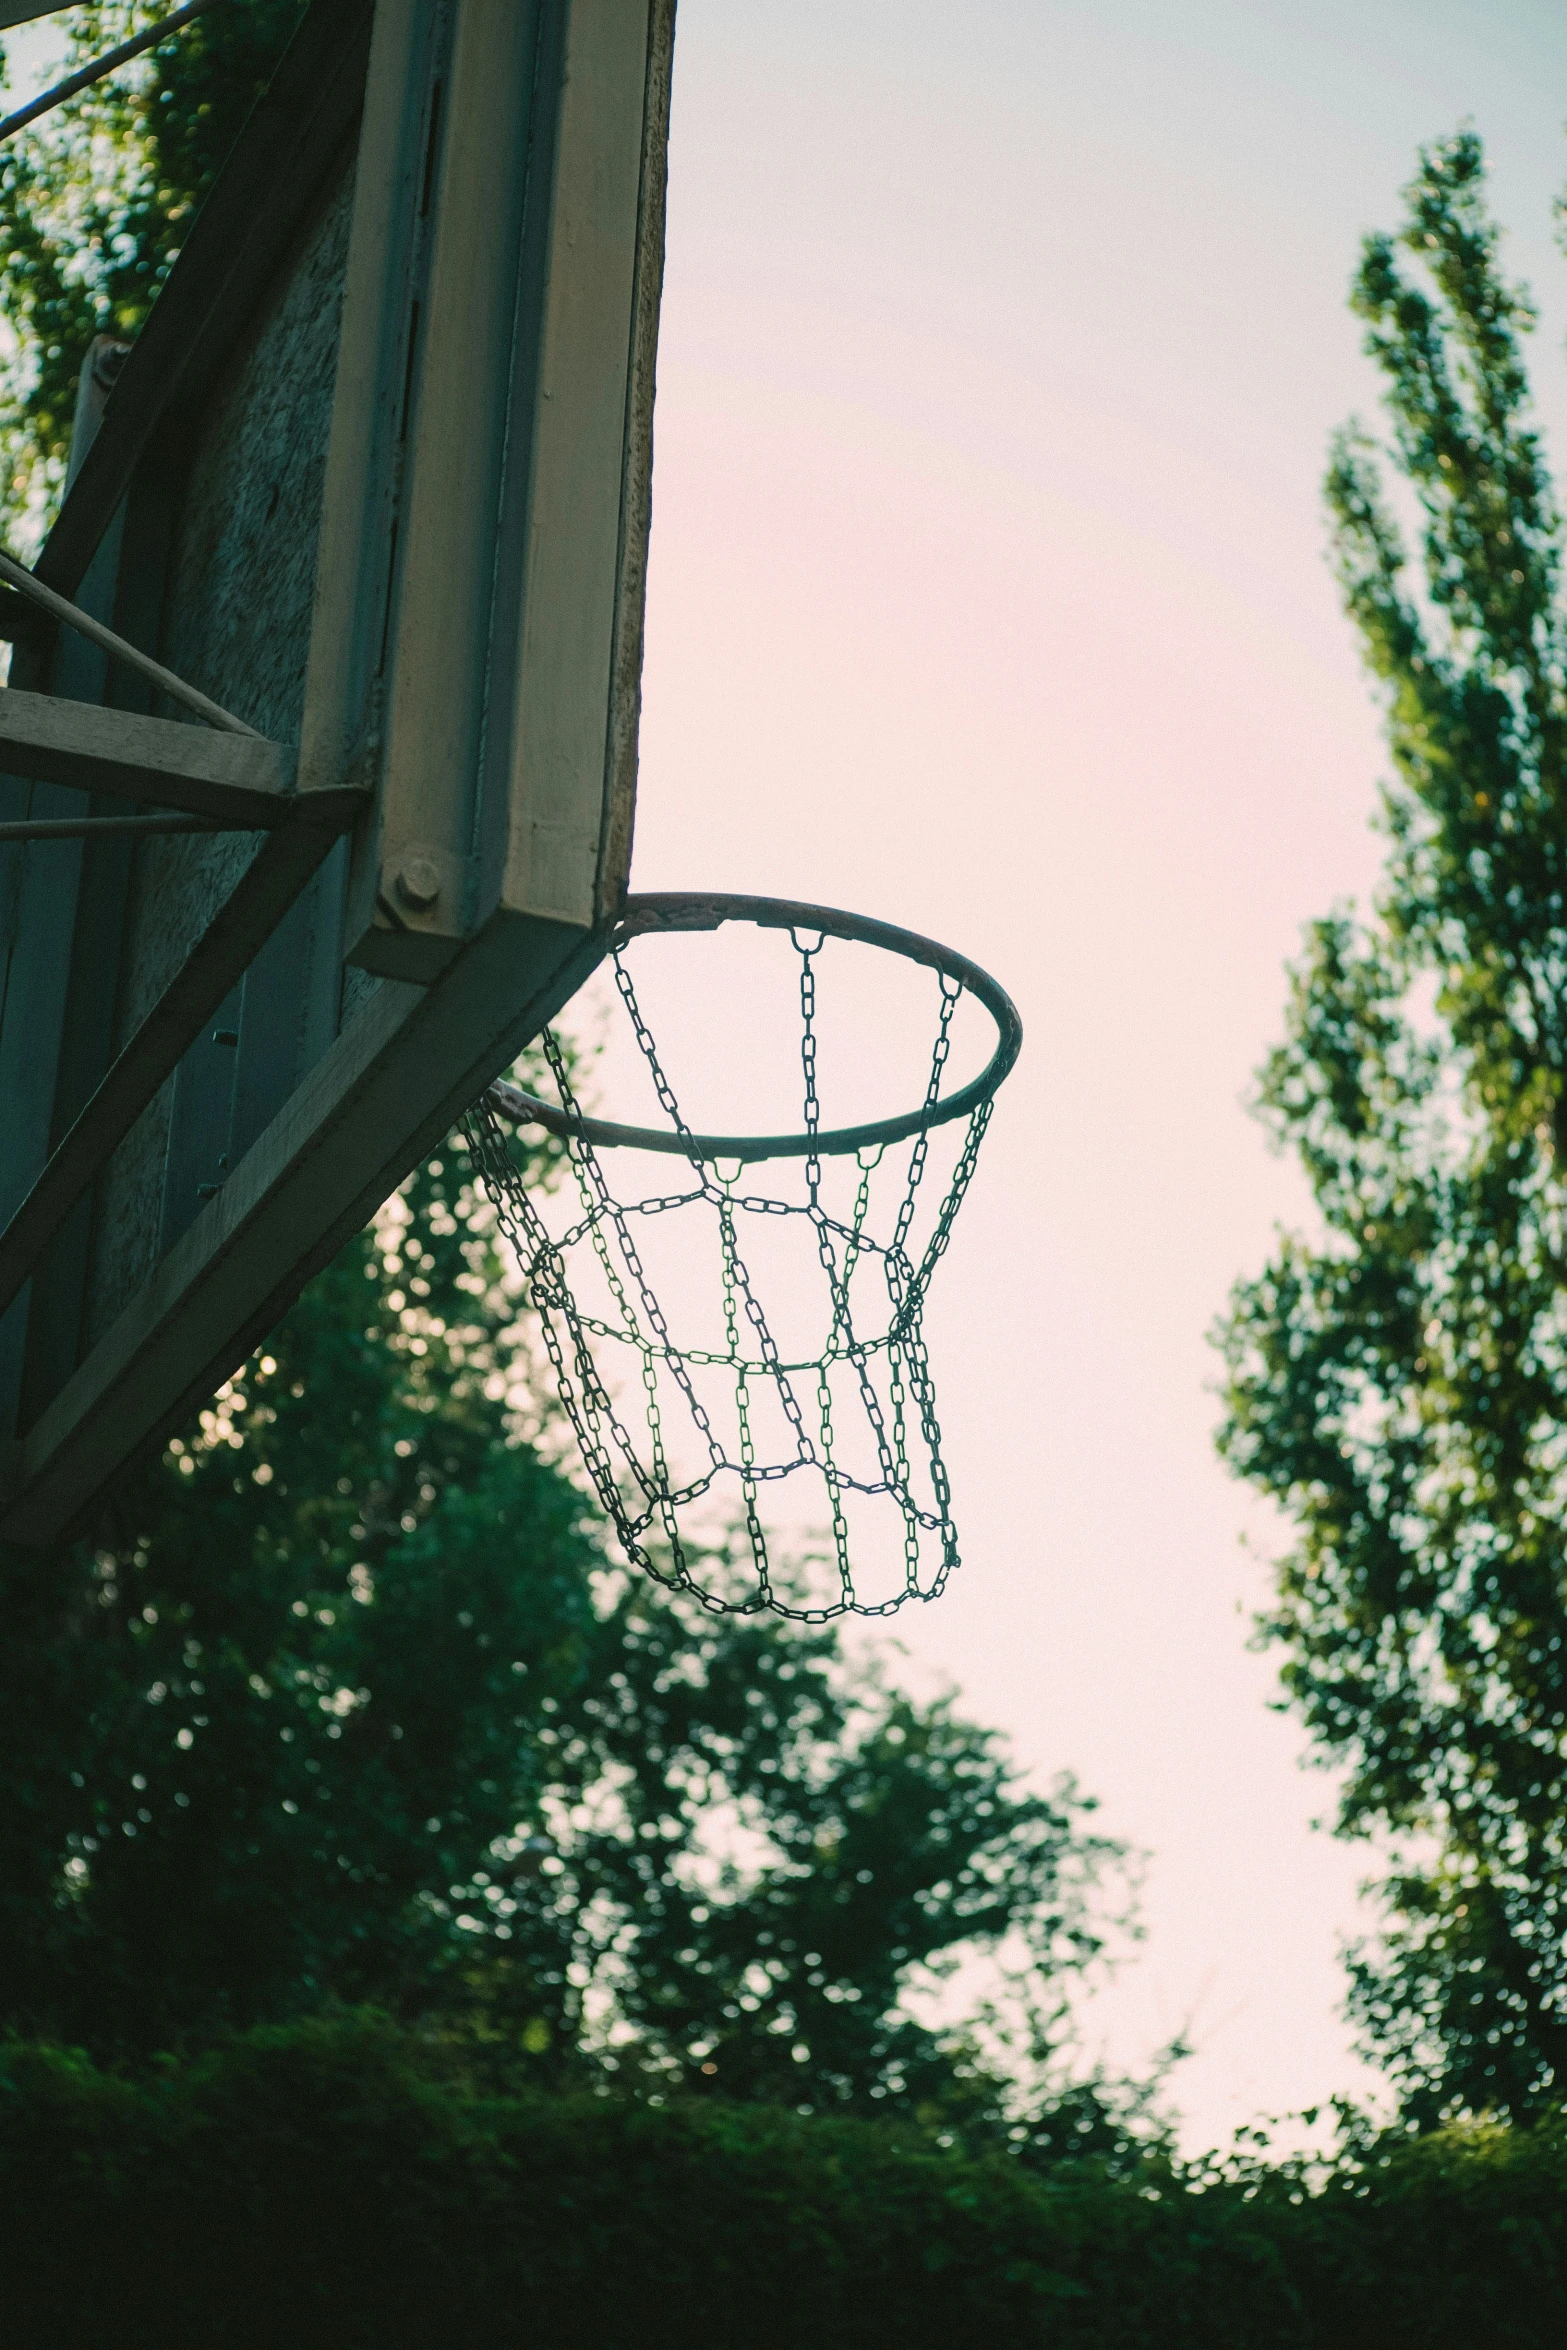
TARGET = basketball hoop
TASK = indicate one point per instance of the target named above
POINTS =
(753, 1405)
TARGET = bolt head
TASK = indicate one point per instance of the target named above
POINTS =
(419, 883)
(108, 357)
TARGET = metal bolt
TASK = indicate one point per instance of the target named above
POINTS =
(418, 882)
(108, 357)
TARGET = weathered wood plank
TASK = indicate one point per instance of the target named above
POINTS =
(236, 778)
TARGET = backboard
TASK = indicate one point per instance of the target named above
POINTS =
(374, 479)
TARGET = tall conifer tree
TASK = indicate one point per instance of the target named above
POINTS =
(1398, 1380)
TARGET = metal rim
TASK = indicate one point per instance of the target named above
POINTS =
(700, 910)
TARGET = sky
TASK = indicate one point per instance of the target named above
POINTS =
(1000, 350)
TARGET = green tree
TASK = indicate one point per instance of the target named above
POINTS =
(344, 1702)
(95, 199)
(258, 1726)
(1397, 1381)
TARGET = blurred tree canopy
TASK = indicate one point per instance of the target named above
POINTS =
(95, 198)
(344, 1701)
(1398, 1381)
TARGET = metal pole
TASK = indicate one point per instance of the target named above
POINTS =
(74, 617)
(85, 827)
(99, 67)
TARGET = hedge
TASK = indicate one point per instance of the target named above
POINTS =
(323, 2185)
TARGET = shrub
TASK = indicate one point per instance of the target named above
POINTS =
(336, 2182)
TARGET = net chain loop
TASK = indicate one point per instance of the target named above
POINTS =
(722, 1397)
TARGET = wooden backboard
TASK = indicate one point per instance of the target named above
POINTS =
(375, 477)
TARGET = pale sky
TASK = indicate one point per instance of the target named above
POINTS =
(1000, 349)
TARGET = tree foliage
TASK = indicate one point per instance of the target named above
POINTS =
(95, 200)
(327, 2183)
(1397, 1382)
(346, 1702)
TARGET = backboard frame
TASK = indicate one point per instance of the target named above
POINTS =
(479, 582)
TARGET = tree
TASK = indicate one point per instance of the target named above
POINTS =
(1397, 1383)
(95, 200)
(345, 1703)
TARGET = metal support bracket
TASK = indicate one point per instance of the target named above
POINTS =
(58, 607)
(223, 775)
(94, 827)
(296, 845)
(237, 779)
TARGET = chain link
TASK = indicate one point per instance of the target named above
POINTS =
(887, 1372)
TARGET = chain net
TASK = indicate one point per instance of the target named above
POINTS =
(816, 1377)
